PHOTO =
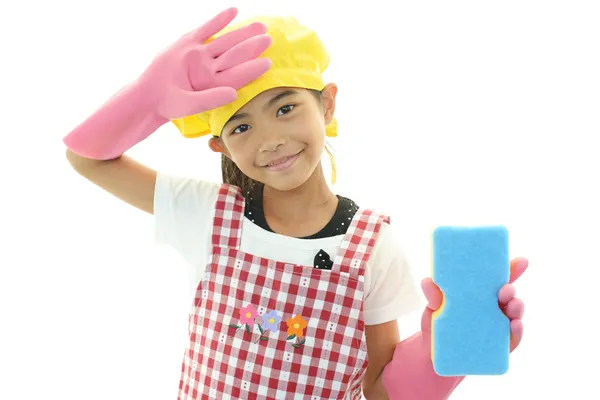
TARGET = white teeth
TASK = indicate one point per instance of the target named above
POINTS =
(279, 162)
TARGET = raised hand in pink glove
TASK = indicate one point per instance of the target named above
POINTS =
(189, 77)
(410, 374)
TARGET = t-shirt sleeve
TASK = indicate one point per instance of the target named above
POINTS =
(393, 292)
(183, 213)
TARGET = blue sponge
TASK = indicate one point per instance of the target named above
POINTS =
(470, 333)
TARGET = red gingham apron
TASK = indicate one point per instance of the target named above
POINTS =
(266, 329)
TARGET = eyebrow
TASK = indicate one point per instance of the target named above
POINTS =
(272, 101)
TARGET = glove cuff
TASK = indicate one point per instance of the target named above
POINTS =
(410, 374)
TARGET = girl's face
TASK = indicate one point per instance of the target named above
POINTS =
(278, 137)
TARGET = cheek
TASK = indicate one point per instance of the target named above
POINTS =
(310, 133)
(238, 154)
(243, 160)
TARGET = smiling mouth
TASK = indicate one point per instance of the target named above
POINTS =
(281, 160)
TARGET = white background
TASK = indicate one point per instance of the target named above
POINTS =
(450, 113)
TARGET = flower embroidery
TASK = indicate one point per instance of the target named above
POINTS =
(247, 316)
(295, 330)
(271, 321)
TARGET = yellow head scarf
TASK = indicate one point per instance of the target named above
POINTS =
(298, 59)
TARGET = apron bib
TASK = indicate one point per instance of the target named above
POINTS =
(266, 329)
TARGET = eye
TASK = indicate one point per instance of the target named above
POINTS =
(241, 126)
(287, 108)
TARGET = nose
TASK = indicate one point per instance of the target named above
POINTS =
(271, 141)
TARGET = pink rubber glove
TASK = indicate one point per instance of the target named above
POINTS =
(188, 77)
(410, 374)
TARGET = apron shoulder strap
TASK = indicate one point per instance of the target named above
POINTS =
(229, 215)
(358, 242)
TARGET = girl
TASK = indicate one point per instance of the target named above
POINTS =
(298, 289)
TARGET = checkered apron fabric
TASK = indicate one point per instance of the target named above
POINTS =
(266, 329)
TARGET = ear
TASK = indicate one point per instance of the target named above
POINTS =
(216, 145)
(329, 93)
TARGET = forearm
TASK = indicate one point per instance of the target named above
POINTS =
(377, 391)
(81, 163)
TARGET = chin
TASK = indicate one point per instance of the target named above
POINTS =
(289, 180)
(284, 185)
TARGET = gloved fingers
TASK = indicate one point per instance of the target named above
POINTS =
(247, 50)
(506, 294)
(213, 25)
(432, 293)
(515, 309)
(182, 103)
(242, 74)
(516, 333)
(517, 267)
(222, 44)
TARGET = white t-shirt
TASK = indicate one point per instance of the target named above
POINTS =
(183, 218)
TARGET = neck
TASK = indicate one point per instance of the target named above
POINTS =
(302, 211)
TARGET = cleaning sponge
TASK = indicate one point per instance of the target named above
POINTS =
(470, 333)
